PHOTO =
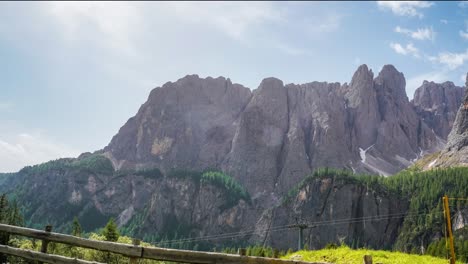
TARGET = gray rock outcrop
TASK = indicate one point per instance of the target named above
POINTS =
(437, 104)
(329, 205)
(456, 150)
(186, 124)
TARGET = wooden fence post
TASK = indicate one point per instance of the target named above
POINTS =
(367, 259)
(134, 260)
(45, 242)
(241, 251)
(275, 253)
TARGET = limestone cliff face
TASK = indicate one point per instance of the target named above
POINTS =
(456, 150)
(331, 206)
(270, 138)
(384, 129)
(186, 124)
(259, 139)
(437, 104)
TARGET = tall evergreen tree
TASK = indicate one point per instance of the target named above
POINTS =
(76, 227)
(110, 232)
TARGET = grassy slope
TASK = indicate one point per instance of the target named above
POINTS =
(345, 255)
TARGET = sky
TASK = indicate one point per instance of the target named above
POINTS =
(72, 73)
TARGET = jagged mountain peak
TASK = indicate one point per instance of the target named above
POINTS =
(255, 135)
(361, 75)
(455, 152)
(437, 104)
(271, 83)
(393, 82)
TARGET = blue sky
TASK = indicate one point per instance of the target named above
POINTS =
(72, 73)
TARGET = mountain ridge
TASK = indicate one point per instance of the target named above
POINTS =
(266, 141)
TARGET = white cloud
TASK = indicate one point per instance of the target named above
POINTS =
(113, 21)
(409, 49)
(235, 19)
(118, 22)
(419, 34)
(415, 82)
(405, 8)
(326, 23)
(464, 34)
(451, 60)
(245, 22)
(26, 149)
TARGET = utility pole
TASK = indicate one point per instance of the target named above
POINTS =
(449, 228)
(300, 242)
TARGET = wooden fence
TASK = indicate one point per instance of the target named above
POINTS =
(133, 252)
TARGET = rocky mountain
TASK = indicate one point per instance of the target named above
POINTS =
(437, 104)
(328, 204)
(165, 173)
(270, 138)
(455, 152)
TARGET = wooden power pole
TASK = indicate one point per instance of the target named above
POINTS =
(301, 227)
(301, 236)
(449, 228)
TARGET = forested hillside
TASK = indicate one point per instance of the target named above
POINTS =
(416, 194)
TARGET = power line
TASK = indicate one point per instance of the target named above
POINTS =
(279, 228)
(310, 225)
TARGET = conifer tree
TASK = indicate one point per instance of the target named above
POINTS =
(76, 227)
(110, 232)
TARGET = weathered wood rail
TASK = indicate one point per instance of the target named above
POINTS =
(133, 252)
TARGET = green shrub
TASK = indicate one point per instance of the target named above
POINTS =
(153, 173)
(95, 163)
(235, 191)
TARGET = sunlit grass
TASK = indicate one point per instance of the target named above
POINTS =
(345, 255)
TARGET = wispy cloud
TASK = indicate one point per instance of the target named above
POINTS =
(405, 8)
(451, 60)
(464, 33)
(27, 149)
(113, 22)
(444, 21)
(325, 23)
(409, 49)
(419, 34)
(235, 19)
(117, 23)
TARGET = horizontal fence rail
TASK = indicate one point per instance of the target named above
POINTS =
(131, 251)
(48, 258)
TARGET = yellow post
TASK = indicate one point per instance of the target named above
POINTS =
(449, 228)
